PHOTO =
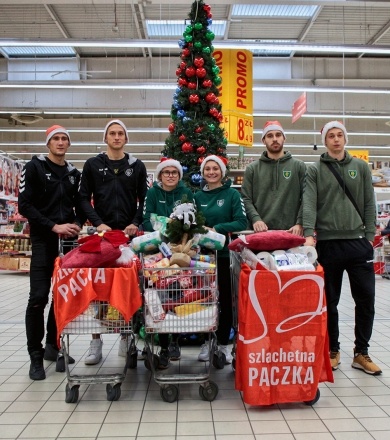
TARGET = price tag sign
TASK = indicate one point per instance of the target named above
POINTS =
(238, 128)
(359, 154)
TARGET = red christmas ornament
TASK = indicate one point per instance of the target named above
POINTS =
(210, 98)
(209, 15)
(171, 127)
(198, 61)
(190, 71)
(214, 112)
(220, 150)
(182, 81)
(201, 72)
(185, 52)
(206, 8)
(194, 98)
(201, 150)
(220, 117)
(191, 85)
(216, 101)
(186, 147)
(183, 65)
(200, 160)
(182, 138)
(207, 83)
(178, 72)
(198, 129)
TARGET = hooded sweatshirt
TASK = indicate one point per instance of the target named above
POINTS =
(272, 191)
(327, 208)
(161, 202)
(223, 209)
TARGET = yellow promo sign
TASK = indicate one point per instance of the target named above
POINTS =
(236, 94)
(360, 154)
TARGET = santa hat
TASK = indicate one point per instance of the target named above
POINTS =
(329, 126)
(272, 126)
(166, 162)
(115, 121)
(221, 161)
(54, 129)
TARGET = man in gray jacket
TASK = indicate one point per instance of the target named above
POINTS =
(340, 209)
(273, 186)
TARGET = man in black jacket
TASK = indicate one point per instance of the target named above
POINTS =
(112, 191)
(48, 198)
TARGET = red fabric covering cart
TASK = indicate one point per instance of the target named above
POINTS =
(282, 345)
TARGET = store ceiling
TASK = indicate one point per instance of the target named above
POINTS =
(343, 23)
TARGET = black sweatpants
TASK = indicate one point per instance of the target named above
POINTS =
(356, 258)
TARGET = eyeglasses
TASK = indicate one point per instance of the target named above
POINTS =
(170, 173)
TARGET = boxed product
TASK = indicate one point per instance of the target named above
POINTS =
(24, 263)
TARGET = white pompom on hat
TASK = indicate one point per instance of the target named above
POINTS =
(167, 162)
(221, 161)
(115, 121)
(54, 129)
(272, 126)
(329, 126)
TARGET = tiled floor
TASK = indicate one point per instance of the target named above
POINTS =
(356, 406)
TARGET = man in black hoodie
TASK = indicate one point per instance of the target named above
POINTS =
(112, 191)
(48, 198)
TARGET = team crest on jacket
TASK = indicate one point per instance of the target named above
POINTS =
(286, 174)
(129, 172)
(220, 202)
(71, 180)
(352, 174)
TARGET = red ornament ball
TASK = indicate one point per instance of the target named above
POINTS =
(183, 65)
(207, 83)
(199, 62)
(182, 81)
(193, 98)
(191, 85)
(186, 147)
(185, 53)
(190, 71)
(201, 150)
(198, 129)
(210, 98)
(182, 138)
(171, 127)
(200, 160)
(201, 72)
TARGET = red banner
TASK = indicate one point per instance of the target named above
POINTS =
(282, 348)
(74, 289)
(299, 107)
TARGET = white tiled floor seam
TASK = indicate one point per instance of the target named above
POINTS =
(356, 405)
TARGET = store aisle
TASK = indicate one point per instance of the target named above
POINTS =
(356, 406)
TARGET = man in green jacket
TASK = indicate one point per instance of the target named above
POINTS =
(345, 232)
(273, 186)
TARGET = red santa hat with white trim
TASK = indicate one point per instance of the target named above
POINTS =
(167, 162)
(272, 126)
(329, 126)
(54, 129)
(221, 161)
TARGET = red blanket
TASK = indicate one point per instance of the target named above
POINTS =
(282, 348)
(74, 289)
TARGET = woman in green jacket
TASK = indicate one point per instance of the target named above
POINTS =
(166, 193)
(224, 213)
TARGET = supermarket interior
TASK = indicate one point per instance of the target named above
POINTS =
(82, 63)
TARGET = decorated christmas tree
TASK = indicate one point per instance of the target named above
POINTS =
(195, 130)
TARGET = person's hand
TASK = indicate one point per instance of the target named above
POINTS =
(296, 230)
(103, 228)
(309, 241)
(66, 230)
(260, 226)
(131, 230)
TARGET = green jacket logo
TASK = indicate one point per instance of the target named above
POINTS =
(352, 174)
(286, 174)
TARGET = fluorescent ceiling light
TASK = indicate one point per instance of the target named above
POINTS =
(220, 44)
(294, 11)
(39, 52)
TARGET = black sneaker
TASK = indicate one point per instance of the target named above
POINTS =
(174, 351)
(163, 359)
(37, 372)
(52, 353)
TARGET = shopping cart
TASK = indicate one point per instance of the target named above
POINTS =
(87, 301)
(181, 300)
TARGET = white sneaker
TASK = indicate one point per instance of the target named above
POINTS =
(225, 350)
(123, 347)
(94, 355)
(204, 354)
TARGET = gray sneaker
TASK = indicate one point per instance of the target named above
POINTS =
(94, 355)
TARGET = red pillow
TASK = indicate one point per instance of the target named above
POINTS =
(104, 258)
(267, 241)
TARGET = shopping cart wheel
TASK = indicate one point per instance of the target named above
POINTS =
(208, 392)
(219, 360)
(156, 361)
(132, 359)
(71, 394)
(169, 393)
(315, 400)
(113, 392)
